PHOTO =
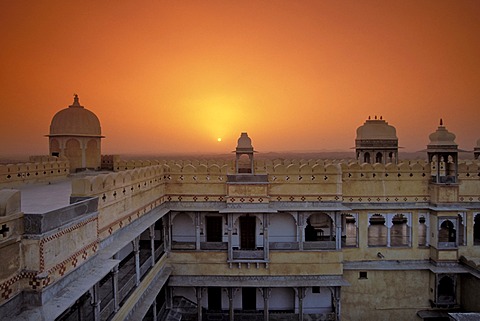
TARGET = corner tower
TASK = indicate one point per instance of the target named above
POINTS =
(75, 133)
(443, 156)
(244, 155)
(376, 142)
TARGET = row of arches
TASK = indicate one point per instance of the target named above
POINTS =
(384, 230)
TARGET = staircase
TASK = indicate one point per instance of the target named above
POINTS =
(182, 309)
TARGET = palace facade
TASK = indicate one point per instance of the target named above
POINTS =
(376, 238)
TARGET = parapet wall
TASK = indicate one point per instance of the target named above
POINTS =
(39, 169)
(124, 196)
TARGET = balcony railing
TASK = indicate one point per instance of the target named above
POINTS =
(214, 246)
(248, 254)
(283, 246)
(183, 246)
(319, 245)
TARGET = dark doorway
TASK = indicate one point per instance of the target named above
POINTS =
(249, 299)
(215, 298)
(214, 228)
(476, 230)
(247, 232)
(446, 290)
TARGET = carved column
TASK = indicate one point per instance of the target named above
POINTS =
(154, 310)
(230, 231)
(300, 230)
(338, 231)
(197, 231)
(266, 247)
(301, 295)
(231, 294)
(389, 228)
(136, 251)
(198, 291)
(266, 292)
(116, 298)
(95, 301)
(167, 227)
(151, 231)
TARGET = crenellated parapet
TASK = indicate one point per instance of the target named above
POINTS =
(124, 196)
(39, 169)
(469, 178)
(379, 183)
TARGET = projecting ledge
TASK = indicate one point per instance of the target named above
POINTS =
(258, 281)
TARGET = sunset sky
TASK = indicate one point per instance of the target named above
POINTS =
(174, 76)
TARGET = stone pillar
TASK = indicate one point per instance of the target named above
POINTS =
(116, 298)
(231, 295)
(198, 291)
(167, 227)
(83, 148)
(197, 231)
(301, 295)
(266, 292)
(136, 251)
(389, 228)
(154, 310)
(230, 231)
(338, 231)
(96, 301)
(300, 230)
(266, 246)
(151, 231)
(336, 301)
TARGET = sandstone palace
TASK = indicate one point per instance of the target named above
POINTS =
(85, 236)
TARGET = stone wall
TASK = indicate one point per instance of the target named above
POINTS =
(11, 230)
(403, 293)
(124, 196)
(39, 169)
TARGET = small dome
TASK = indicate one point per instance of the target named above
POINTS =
(442, 137)
(375, 129)
(244, 143)
(75, 120)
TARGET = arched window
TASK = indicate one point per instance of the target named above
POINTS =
(476, 230)
(319, 229)
(447, 234)
(399, 232)
(366, 157)
(377, 231)
(378, 158)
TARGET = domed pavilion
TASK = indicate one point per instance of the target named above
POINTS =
(75, 133)
(376, 142)
(443, 155)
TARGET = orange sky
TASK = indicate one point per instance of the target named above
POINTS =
(173, 76)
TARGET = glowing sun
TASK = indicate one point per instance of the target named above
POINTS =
(219, 139)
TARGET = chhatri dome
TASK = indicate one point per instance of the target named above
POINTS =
(442, 154)
(75, 120)
(374, 129)
(376, 142)
(75, 133)
(442, 138)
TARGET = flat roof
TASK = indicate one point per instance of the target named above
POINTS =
(45, 197)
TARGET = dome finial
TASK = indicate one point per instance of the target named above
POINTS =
(441, 122)
(76, 101)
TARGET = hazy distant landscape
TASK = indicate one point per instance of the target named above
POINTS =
(345, 155)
